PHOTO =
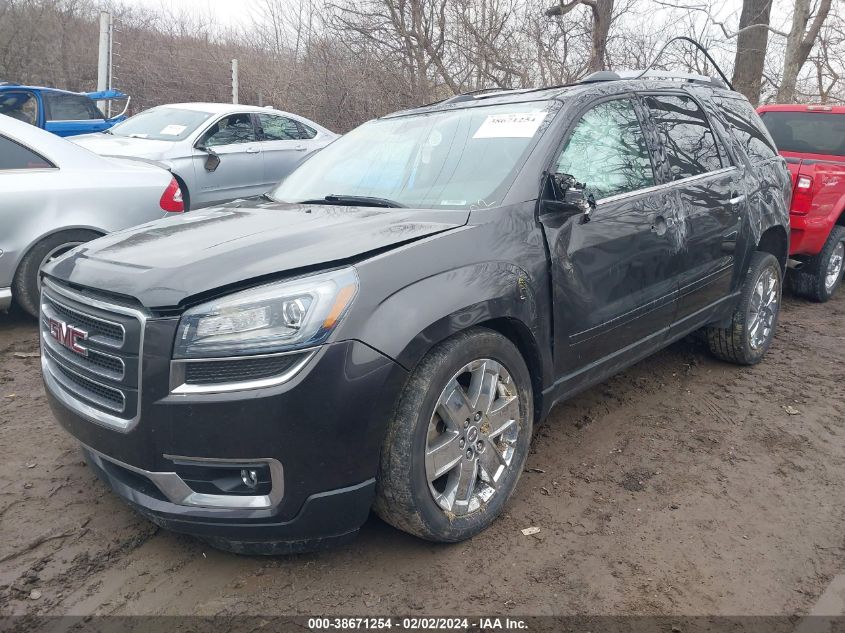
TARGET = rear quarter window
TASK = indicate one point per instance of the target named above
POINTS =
(746, 127)
(14, 156)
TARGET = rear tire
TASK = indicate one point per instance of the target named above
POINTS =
(25, 288)
(820, 276)
(754, 321)
(452, 457)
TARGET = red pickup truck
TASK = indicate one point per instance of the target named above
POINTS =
(812, 140)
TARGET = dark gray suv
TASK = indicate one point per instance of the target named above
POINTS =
(384, 328)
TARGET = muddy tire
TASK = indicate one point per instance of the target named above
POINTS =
(25, 288)
(458, 440)
(754, 321)
(820, 276)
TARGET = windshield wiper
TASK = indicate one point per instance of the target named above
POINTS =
(361, 201)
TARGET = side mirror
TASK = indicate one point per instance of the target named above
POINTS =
(212, 161)
(573, 194)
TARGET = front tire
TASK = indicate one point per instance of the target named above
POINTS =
(818, 279)
(459, 438)
(753, 323)
(26, 288)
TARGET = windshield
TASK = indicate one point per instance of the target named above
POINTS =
(162, 124)
(455, 159)
(807, 132)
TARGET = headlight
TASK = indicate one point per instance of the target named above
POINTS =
(270, 318)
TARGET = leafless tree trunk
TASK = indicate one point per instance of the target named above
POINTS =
(751, 43)
(799, 43)
(602, 12)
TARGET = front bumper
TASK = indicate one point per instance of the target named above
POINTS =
(321, 433)
(325, 519)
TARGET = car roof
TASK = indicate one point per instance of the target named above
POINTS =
(802, 107)
(226, 108)
(616, 85)
(11, 86)
(55, 148)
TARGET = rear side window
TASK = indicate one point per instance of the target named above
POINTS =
(16, 156)
(279, 128)
(807, 132)
(62, 107)
(746, 126)
(685, 134)
(607, 151)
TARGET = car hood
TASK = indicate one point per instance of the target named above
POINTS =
(112, 145)
(164, 263)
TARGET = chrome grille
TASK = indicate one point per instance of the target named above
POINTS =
(108, 331)
(100, 378)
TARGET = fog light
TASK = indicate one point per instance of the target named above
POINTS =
(249, 477)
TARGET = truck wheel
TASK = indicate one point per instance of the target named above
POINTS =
(755, 318)
(459, 438)
(26, 288)
(819, 277)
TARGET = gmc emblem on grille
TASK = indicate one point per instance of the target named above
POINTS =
(69, 336)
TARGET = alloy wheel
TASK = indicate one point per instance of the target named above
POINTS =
(764, 308)
(834, 266)
(472, 437)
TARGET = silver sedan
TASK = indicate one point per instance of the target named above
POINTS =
(218, 152)
(56, 195)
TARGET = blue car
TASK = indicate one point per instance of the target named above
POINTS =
(59, 111)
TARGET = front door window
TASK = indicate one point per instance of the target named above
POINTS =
(607, 151)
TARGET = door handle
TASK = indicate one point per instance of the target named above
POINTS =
(300, 148)
(252, 150)
(658, 225)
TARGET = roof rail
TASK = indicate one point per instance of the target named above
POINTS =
(684, 38)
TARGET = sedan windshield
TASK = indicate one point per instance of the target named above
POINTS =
(161, 124)
(457, 159)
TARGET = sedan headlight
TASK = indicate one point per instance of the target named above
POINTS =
(271, 318)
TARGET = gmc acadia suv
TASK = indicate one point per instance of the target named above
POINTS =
(385, 327)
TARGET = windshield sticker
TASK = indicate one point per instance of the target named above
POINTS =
(453, 203)
(173, 130)
(514, 125)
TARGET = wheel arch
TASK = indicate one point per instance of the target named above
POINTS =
(43, 236)
(521, 336)
(775, 241)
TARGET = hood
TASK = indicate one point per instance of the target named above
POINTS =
(113, 145)
(165, 262)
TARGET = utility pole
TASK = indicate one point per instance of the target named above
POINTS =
(104, 58)
(234, 81)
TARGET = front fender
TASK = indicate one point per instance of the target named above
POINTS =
(408, 323)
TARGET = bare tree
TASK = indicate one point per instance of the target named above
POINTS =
(602, 12)
(799, 44)
(751, 42)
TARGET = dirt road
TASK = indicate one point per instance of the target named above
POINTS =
(683, 486)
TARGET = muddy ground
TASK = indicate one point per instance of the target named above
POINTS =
(682, 486)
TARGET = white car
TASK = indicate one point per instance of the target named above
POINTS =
(216, 151)
(56, 196)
